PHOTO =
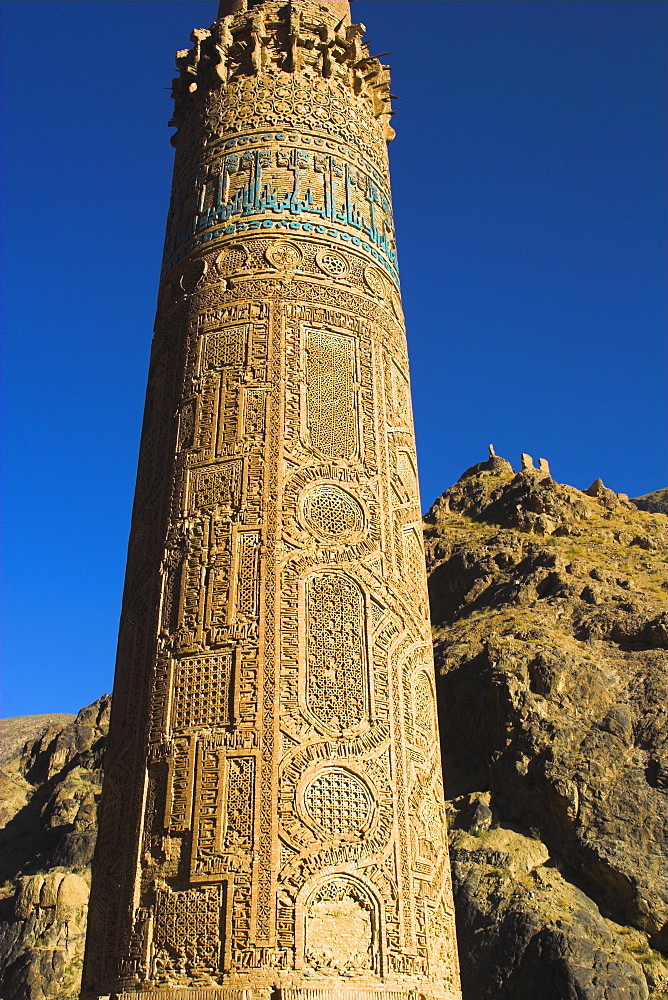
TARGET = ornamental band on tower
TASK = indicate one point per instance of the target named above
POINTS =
(273, 822)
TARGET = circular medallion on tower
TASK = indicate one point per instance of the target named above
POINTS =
(374, 280)
(330, 511)
(232, 259)
(283, 255)
(339, 803)
(332, 263)
(192, 276)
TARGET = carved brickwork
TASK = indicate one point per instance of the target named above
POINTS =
(240, 802)
(332, 512)
(224, 347)
(202, 691)
(273, 816)
(336, 668)
(247, 583)
(330, 380)
(338, 802)
(342, 929)
(216, 486)
(187, 934)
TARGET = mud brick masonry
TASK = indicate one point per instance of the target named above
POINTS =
(272, 823)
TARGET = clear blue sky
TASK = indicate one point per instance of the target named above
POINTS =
(528, 176)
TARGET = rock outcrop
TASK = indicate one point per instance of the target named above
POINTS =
(548, 607)
(50, 787)
(655, 503)
(16, 732)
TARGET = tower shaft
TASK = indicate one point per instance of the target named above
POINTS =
(273, 815)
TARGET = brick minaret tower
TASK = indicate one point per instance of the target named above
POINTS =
(273, 822)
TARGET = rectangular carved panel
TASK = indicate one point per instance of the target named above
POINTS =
(239, 808)
(202, 691)
(248, 553)
(336, 664)
(225, 347)
(254, 411)
(331, 397)
(206, 834)
(188, 924)
(218, 485)
(179, 792)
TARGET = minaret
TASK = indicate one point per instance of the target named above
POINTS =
(272, 823)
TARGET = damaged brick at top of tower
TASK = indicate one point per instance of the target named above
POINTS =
(271, 38)
(339, 7)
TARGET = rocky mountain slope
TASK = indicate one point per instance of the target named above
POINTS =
(49, 788)
(548, 606)
(18, 731)
(655, 503)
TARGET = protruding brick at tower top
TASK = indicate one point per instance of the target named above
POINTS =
(339, 7)
(272, 824)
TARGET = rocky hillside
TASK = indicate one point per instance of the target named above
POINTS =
(548, 607)
(655, 503)
(17, 732)
(50, 783)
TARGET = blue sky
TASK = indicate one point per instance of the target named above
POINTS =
(528, 176)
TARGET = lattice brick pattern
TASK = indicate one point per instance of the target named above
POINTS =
(332, 511)
(225, 347)
(339, 802)
(216, 486)
(413, 562)
(248, 544)
(233, 259)
(240, 794)
(406, 472)
(336, 651)
(202, 691)
(254, 407)
(330, 377)
(188, 923)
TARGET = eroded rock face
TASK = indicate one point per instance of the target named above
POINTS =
(655, 503)
(548, 606)
(50, 789)
(532, 927)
